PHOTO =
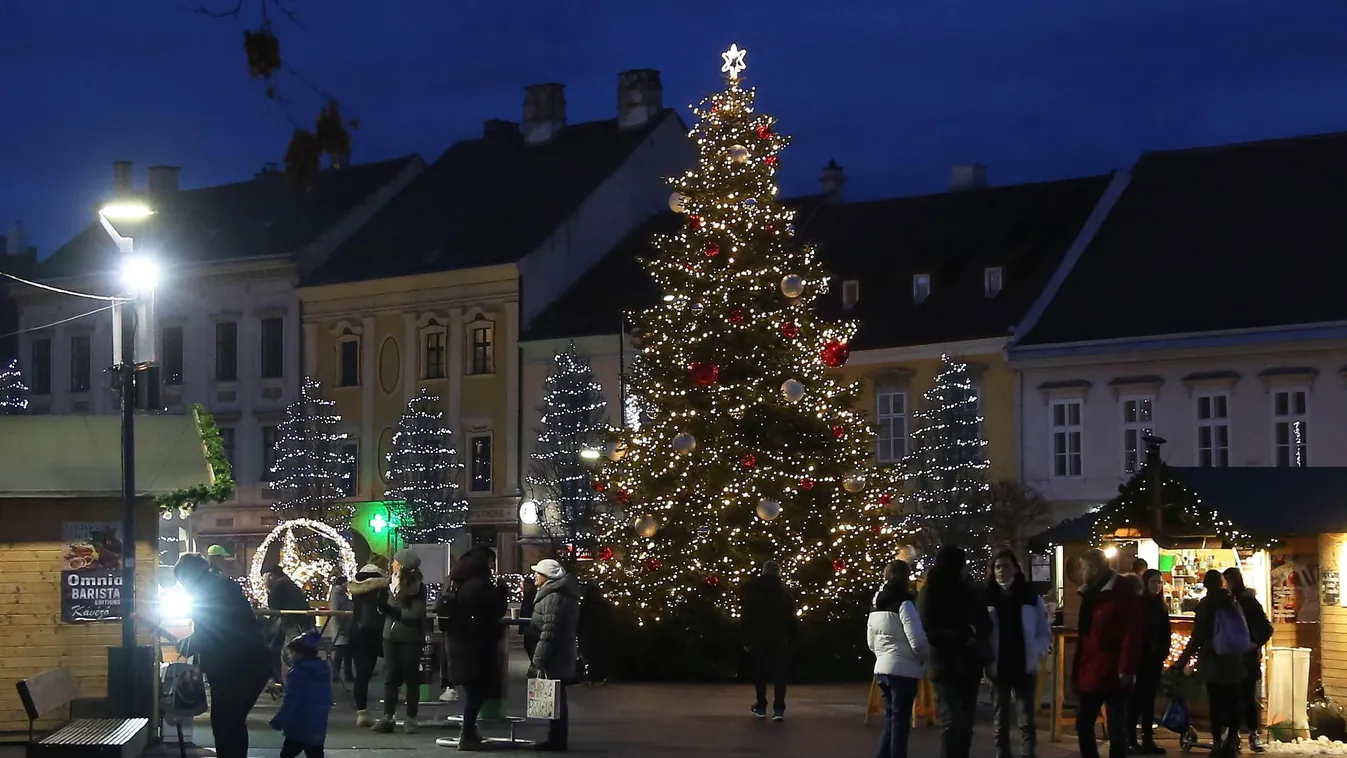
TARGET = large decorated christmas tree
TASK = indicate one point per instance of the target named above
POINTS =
(750, 450)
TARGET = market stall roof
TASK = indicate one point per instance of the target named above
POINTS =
(81, 456)
(1258, 500)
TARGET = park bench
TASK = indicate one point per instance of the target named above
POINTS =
(81, 738)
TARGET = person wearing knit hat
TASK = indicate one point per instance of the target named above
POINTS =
(407, 558)
(308, 699)
(556, 617)
(548, 568)
(404, 636)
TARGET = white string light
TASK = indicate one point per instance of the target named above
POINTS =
(309, 572)
(571, 421)
(13, 392)
(423, 471)
(310, 470)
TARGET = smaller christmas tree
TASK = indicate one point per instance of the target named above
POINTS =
(13, 392)
(423, 471)
(310, 469)
(572, 421)
(947, 499)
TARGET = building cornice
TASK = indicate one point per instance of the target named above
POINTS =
(965, 348)
(417, 288)
(1279, 339)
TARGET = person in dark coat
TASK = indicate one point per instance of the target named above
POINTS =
(284, 595)
(1020, 639)
(596, 624)
(404, 638)
(556, 614)
(1155, 631)
(528, 591)
(1107, 653)
(308, 700)
(229, 649)
(768, 616)
(369, 594)
(1223, 674)
(1260, 632)
(470, 614)
(958, 629)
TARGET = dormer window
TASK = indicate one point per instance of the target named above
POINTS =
(921, 287)
(851, 293)
(992, 279)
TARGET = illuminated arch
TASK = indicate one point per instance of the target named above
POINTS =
(295, 566)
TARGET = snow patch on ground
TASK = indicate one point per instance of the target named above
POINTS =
(1321, 746)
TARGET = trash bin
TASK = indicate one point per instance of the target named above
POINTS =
(1288, 684)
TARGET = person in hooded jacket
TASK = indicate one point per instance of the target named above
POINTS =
(1020, 639)
(959, 630)
(768, 617)
(1105, 665)
(470, 612)
(1222, 674)
(404, 639)
(1260, 632)
(895, 635)
(556, 614)
(1155, 631)
(228, 647)
(308, 700)
(365, 640)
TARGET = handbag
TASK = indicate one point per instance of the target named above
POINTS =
(544, 698)
(1175, 717)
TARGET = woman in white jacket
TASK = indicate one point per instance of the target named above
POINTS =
(896, 637)
(1021, 637)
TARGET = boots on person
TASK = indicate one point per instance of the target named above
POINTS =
(469, 739)
(410, 726)
(384, 725)
(1256, 744)
(363, 719)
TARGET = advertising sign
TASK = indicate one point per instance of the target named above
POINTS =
(91, 572)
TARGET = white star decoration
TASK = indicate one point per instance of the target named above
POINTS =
(734, 61)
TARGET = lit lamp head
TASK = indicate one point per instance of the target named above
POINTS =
(528, 512)
(121, 219)
(125, 211)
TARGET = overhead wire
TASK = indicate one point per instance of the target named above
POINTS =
(59, 291)
(62, 321)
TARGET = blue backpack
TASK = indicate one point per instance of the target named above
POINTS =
(1231, 635)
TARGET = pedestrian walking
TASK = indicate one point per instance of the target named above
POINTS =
(229, 649)
(1220, 641)
(1260, 632)
(959, 631)
(767, 613)
(1107, 653)
(556, 613)
(470, 614)
(339, 599)
(404, 639)
(308, 700)
(896, 637)
(369, 594)
(1155, 631)
(1020, 638)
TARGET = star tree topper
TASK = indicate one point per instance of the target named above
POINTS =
(734, 61)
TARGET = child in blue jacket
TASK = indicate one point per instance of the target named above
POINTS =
(308, 700)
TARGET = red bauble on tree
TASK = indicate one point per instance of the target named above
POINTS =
(605, 553)
(598, 486)
(790, 329)
(764, 132)
(749, 460)
(834, 353)
(704, 374)
(736, 316)
(652, 564)
(712, 250)
(694, 222)
(839, 431)
(712, 580)
(806, 484)
(772, 160)
(839, 565)
(623, 497)
(886, 499)
(876, 529)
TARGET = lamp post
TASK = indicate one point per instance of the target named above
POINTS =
(137, 276)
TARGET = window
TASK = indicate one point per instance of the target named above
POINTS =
(891, 419)
(80, 363)
(1137, 423)
(433, 358)
(851, 293)
(992, 279)
(1066, 430)
(41, 367)
(480, 361)
(268, 451)
(227, 442)
(1290, 412)
(348, 362)
(921, 287)
(227, 351)
(350, 468)
(273, 348)
(479, 469)
(172, 364)
(1213, 430)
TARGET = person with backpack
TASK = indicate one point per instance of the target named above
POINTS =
(365, 643)
(1220, 640)
(1260, 632)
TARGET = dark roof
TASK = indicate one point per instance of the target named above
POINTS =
(485, 201)
(1232, 237)
(263, 216)
(1025, 229)
(1263, 501)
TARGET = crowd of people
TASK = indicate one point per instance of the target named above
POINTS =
(388, 618)
(955, 635)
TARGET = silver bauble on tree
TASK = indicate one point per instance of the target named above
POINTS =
(684, 443)
(678, 202)
(792, 390)
(739, 154)
(854, 482)
(768, 509)
(646, 525)
(792, 285)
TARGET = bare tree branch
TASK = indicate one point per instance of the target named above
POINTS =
(289, 14)
(203, 10)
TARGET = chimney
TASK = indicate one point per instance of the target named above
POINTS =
(499, 128)
(544, 112)
(121, 177)
(16, 240)
(831, 180)
(163, 181)
(640, 96)
(268, 169)
(966, 176)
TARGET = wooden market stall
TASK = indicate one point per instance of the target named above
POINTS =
(62, 544)
(1277, 525)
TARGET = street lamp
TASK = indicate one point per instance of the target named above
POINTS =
(137, 275)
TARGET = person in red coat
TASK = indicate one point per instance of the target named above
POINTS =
(1107, 653)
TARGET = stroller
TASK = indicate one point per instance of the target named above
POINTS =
(1175, 717)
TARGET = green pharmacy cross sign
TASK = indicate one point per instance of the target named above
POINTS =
(380, 523)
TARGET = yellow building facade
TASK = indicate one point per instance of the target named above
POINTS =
(375, 344)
